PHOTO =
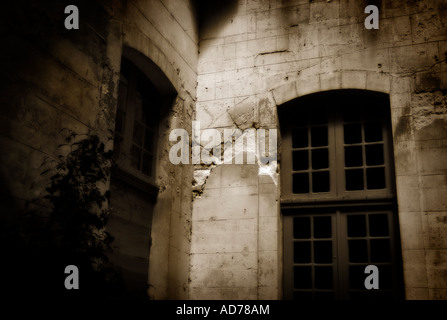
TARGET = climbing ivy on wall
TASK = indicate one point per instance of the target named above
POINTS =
(73, 232)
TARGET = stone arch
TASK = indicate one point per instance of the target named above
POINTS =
(137, 44)
(352, 79)
(151, 70)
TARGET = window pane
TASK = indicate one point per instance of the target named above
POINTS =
(318, 116)
(353, 156)
(322, 227)
(300, 160)
(374, 154)
(357, 277)
(356, 225)
(122, 96)
(117, 142)
(373, 131)
(380, 250)
(320, 159)
(320, 181)
(300, 182)
(300, 117)
(299, 138)
(354, 179)
(352, 113)
(301, 228)
(138, 133)
(319, 136)
(301, 252)
(149, 115)
(323, 251)
(135, 157)
(358, 251)
(138, 108)
(375, 178)
(324, 278)
(385, 277)
(147, 164)
(352, 133)
(378, 225)
(302, 277)
(119, 122)
(148, 140)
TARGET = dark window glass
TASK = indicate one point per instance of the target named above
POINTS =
(353, 156)
(353, 133)
(301, 228)
(356, 226)
(302, 277)
(380, 250)
(374, 154)
(319, 136)
(147, 164)
(135, 157)
(150, 115)
(322, 251)
(358, 251)
(378, 225)
(318, 116)
(299, 138)
(354, 179)
(320, 159)
(148, 140)
(324, 278)
(300, 160)
(351, 113)
(301, 183)
(373, 131)
(119, 122)
(357, 276)
(322, 227)
(320, 181)
(385, 277)
(117, 145)
(375, 178)
(302, 252)
(138, 133)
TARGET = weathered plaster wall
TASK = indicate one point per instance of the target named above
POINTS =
(263, 53)
(56, 79)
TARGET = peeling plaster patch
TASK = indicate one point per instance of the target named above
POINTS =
(199, 181)
(269, 170)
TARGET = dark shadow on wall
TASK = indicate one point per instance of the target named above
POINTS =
(214, 14)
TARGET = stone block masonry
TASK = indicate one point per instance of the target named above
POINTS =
(216, 230)
(269, 52)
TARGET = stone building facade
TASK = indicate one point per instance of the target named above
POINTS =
(233, 231)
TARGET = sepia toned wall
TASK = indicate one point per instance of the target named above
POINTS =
(56, 80)
(216, 230)
(258, 55)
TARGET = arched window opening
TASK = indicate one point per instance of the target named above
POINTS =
(144, 97)
(338, 196)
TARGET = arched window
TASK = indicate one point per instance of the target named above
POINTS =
(338, 196)
(136, 123)
(145, 95)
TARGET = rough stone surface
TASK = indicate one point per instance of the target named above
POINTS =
(216, 230)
